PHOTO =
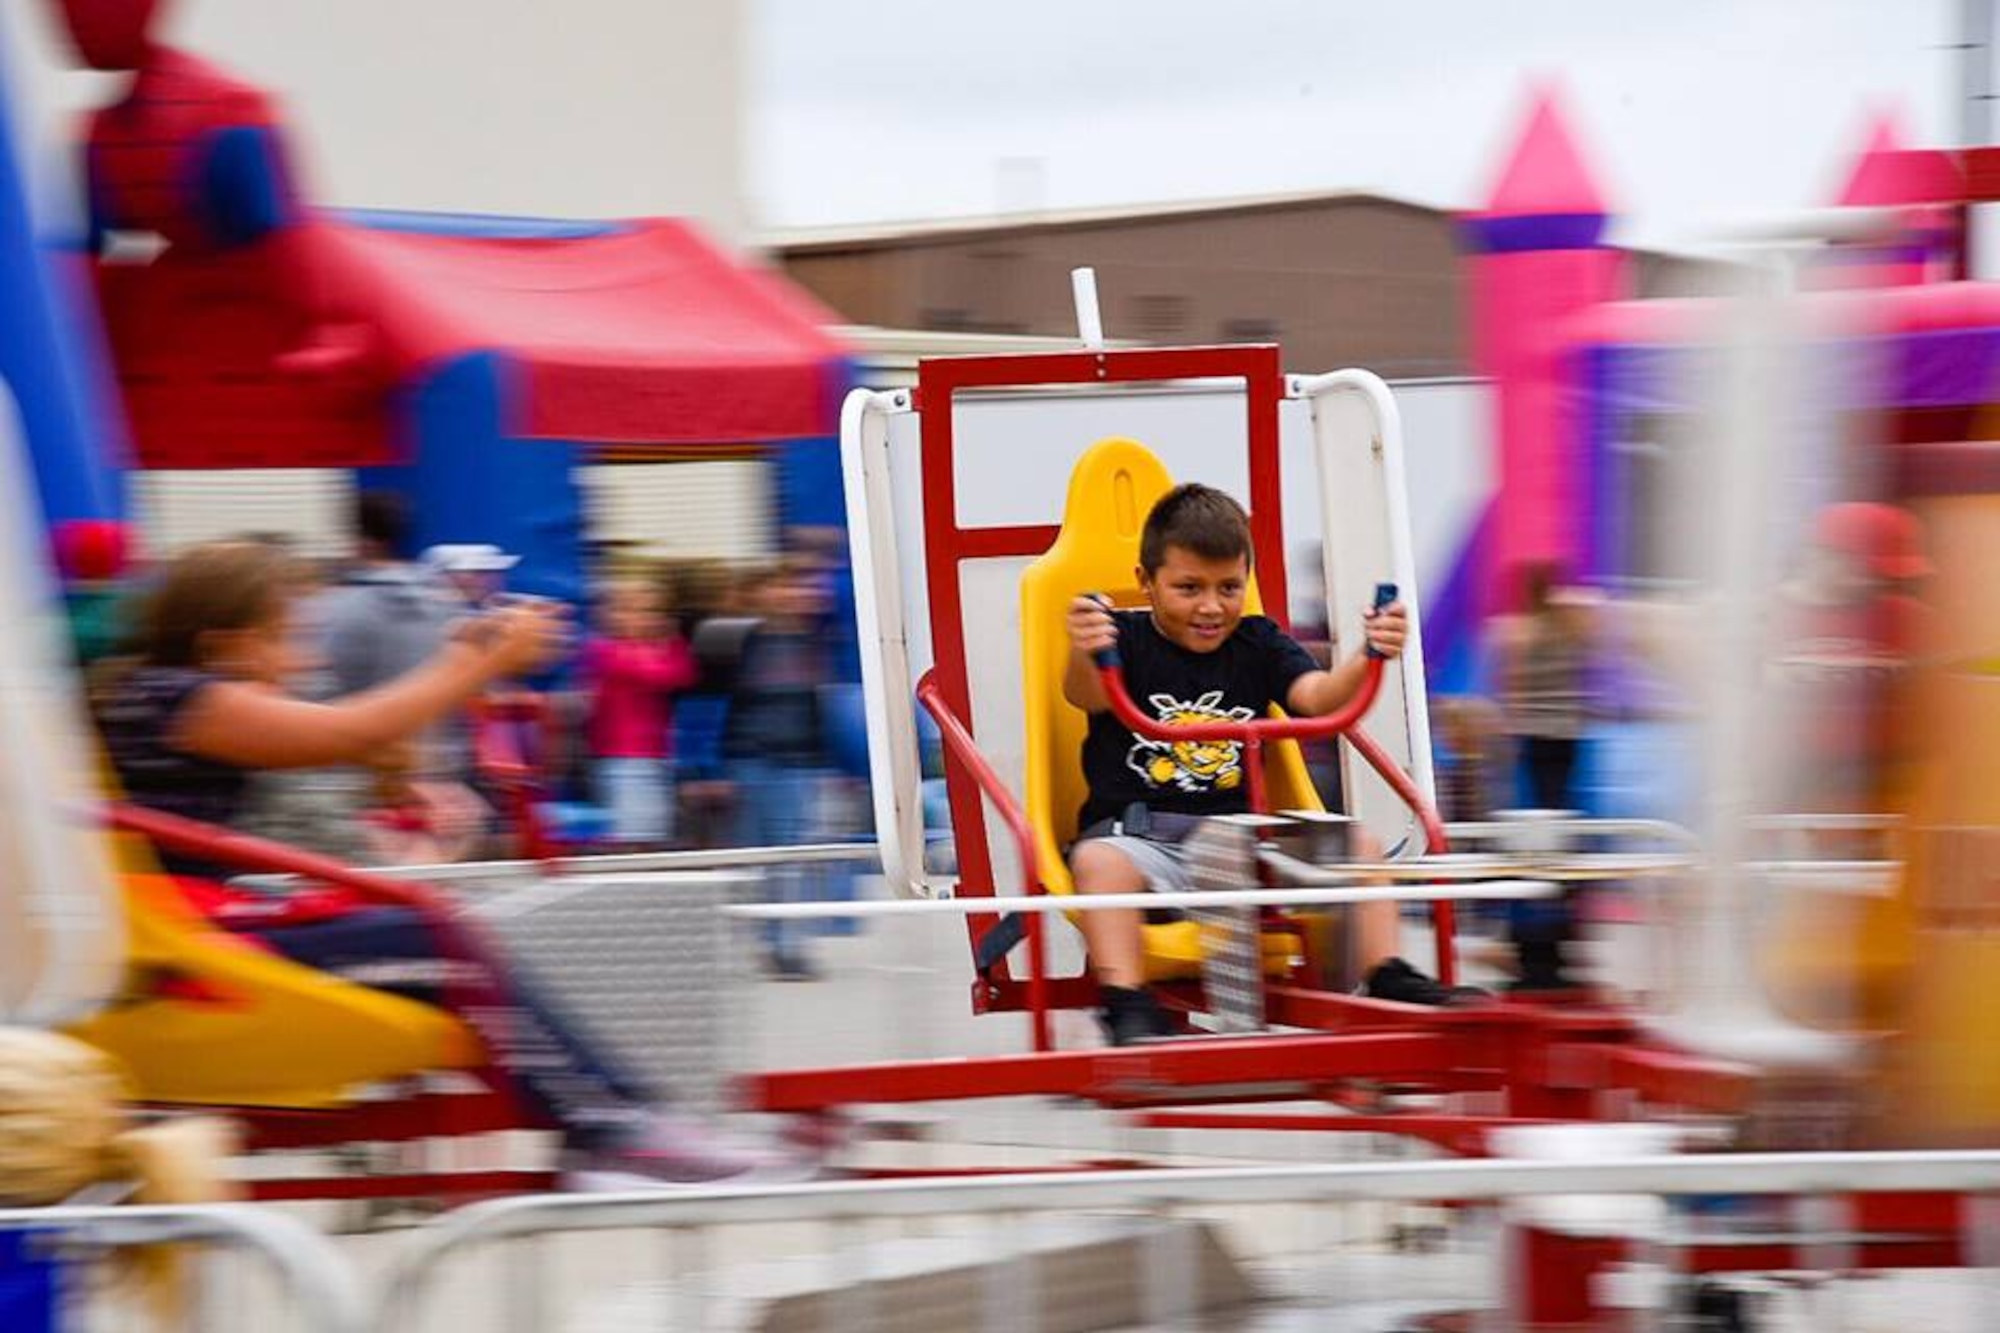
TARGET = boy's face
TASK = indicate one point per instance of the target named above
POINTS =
(1197, 601)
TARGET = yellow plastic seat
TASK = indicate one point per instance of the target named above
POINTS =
(264, 1031)
(1112, 489)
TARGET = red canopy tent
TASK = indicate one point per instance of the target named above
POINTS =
(291, 352)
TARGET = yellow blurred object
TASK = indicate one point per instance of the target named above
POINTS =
(1947, 1065)
(265, 1031)
(1943, 1068)
(1113, 488)
(61, 1105)
(1841, 962)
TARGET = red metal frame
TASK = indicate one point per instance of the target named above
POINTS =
(1882, 1232)
(222, 846)
(947, 545)
(460, 1186)
(958, 743)
(1344, 722)
(1542, 1066)
(1168, 1072)
(1513, 1063)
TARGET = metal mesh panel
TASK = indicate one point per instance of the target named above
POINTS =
(646, 963)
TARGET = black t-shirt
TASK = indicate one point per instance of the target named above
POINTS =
(1252, 669)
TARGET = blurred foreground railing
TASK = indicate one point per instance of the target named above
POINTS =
(982, 1253)
(60, 1271)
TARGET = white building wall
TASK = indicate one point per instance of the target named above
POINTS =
(582, 108)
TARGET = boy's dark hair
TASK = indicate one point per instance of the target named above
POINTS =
(1200, 520)
(382, 522)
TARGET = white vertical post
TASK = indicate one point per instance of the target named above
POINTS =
(1089, 322)
(1975, 125)
(894, 765)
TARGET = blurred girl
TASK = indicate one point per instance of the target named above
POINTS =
(203, 708)
(632, 671)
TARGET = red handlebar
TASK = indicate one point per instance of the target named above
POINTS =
(1252, 734)
(1255, 730)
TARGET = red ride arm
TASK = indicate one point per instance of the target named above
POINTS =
(959, 743)
(223, 846)
(1112, 677)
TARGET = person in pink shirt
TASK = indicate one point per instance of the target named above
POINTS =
(632, 670)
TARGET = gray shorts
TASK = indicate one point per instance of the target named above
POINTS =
(1164, 864)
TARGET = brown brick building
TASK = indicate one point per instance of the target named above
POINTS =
(1341, 279)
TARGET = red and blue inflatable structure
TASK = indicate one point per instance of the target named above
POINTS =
(468, 362)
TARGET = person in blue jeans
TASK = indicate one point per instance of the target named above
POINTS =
(774, 740)
(1544, 658)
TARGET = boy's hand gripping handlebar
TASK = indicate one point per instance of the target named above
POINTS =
(1385, 597)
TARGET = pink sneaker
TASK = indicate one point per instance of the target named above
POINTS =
(677, 1150)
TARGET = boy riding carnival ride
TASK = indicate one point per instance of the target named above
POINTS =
(1194, 656)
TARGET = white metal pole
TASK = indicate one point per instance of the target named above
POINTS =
(1975, 124)
(1089, 322)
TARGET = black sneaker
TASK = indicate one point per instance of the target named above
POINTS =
(1132, 1016)
(1394, 979)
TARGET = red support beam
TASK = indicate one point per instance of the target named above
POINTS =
(1331, 1011)
(1168, 1070)
(1001, 543)
(438, 1115)
(1666, 1078)
(1871, 1254)
(1461, 1134)
(459, 1186)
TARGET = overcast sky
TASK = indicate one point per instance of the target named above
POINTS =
(1695, 111)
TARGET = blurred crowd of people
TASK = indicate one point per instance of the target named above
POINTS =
(1593, 700)
(689, 704)
(700, 704)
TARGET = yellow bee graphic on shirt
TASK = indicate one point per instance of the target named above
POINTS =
(1190, 765)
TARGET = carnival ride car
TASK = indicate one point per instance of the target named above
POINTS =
(1027, 742)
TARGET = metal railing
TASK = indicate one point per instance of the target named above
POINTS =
(860, 1221)
(317, 1290)
(622, 863)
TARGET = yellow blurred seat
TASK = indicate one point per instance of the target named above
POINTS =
(1111, 490)
(205, 1018)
